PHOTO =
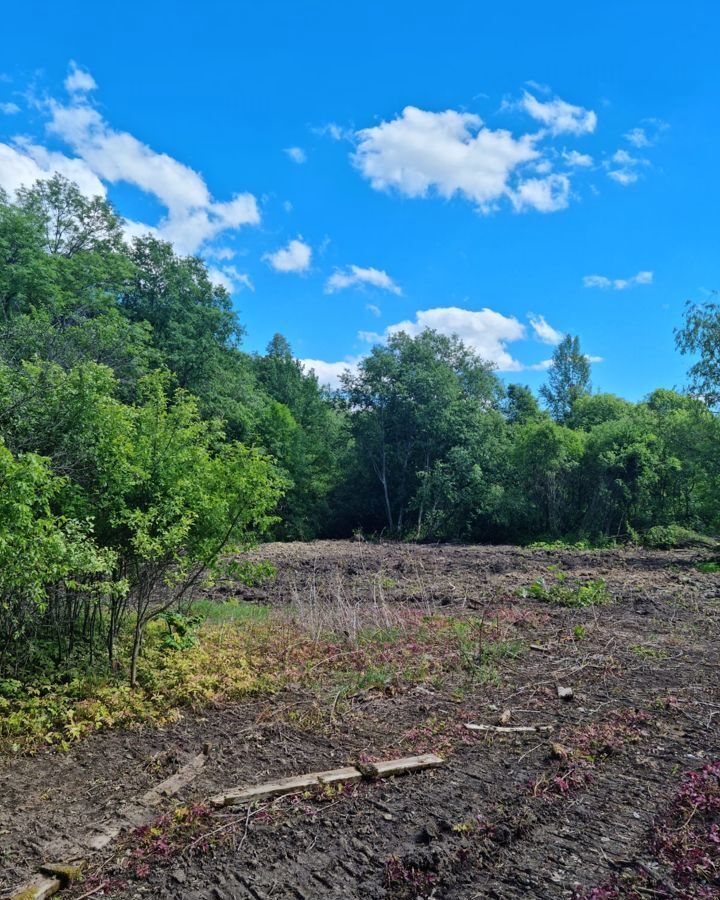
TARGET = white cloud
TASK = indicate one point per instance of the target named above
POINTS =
(627, 167)
(594, 359)
(623, 176)
(293, 258)
(9, 109)
(296, 154)
(23, 163)
(485, 331)
(221, 253)
(617, 284)
(447, 153)
(328, 373)
(559, 116)
(647, 134)
(356, 276)
(103, 155)
(335, 131)
(375, 310)
(542, 366)
(546, 195)
(544, 331)
(577, 160)
(79, 81)
(229, 278)
(193, 216)
(370, 337)
(638, 137)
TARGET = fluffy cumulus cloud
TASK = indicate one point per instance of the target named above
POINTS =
(329, 373)
(451, 153)
(447, 153)
(293, 258)
(296, 154)
(617, 284)
(357, 276)
(486, 331)
(546, 195)
(558, 116)
(99, 154)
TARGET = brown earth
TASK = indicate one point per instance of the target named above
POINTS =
(501, 819)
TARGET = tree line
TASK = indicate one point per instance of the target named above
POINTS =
(139, 443)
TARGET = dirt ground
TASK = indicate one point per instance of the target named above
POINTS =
(508, 815)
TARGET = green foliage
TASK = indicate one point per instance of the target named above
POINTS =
(250, 574)
(700, 336)
(568, 379)
(141, 448)
(672, 537)
(561, 590)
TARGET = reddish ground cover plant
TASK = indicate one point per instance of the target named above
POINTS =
(685, 844)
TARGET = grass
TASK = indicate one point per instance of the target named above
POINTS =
(708, 568)
(231, 612)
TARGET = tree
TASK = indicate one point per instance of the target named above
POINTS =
(568, 378)
(306, 432)
(701, 335)
(410, 402)
(521, 406)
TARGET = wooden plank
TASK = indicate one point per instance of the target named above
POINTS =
(285, 786)
(401, 766)
(39, 888)
(66, 872)
(508, 729)
(175, 782)
(263, 791)
(339, 776)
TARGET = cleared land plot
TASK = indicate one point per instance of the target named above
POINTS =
(390, 650)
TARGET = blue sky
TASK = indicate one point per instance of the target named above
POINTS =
(510, 172)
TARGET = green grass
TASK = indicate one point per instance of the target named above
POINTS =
(231, 612)
(708, 568)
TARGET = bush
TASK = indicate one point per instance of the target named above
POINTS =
(675, 537)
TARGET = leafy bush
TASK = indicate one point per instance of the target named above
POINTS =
(674, 537)
(560, 590)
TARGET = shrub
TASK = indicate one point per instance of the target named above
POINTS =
(675, 537)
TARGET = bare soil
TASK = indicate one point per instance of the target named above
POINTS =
(506, 817)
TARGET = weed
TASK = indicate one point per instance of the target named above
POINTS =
(563, 592)
(708, 568)
(580, 632)
(403, 881)
(645, 651)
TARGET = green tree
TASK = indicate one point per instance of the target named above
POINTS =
(700, 336)
(568, 378)
(410, 402)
